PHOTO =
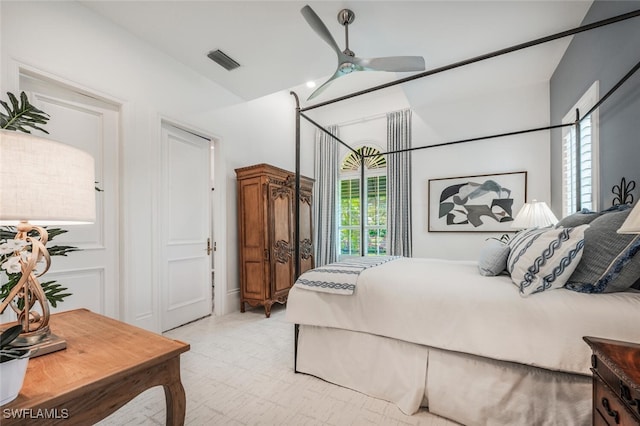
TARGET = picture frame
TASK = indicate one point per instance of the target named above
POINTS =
(476, 203)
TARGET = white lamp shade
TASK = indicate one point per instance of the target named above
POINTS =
(44, 182)
(632, 224)
(534, 214)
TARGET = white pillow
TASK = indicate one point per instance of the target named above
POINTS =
(544, 259)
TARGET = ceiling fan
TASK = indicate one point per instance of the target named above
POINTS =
(348, 62)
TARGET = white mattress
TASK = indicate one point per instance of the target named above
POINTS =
(449, 305)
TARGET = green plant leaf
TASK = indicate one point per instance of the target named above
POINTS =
(21, 115)
(54, 292)
(61, 250)
(7, 232)
(9, 335)
(12, 280)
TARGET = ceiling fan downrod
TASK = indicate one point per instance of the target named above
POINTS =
(346, 17)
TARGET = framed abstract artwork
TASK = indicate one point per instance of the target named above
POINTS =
(481, 203)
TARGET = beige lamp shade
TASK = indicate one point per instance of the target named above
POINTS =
(44, 182)
(632, 224)
(534, 214)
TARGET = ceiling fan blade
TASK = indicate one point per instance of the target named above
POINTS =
(319, 27)
(326, 84)
(392, 63)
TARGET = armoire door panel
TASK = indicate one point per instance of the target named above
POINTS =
(251, 199)
(282, 281)
(280, 213)
(254, 280)
(280, 221)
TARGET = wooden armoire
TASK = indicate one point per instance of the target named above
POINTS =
(266, 228)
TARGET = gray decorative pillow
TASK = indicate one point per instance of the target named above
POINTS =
(493, 258)
(609, 262)
(579, 218)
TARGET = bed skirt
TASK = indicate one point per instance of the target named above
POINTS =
(468, 389)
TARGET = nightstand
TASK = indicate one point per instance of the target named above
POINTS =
(616, 382)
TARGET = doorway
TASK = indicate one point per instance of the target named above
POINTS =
(186, 223)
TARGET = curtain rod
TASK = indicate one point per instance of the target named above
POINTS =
(490, 55)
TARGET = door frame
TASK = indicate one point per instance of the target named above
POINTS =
(218, 230)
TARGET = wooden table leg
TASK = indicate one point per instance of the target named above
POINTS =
(174, 395)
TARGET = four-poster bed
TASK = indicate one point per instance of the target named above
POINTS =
(408, 335)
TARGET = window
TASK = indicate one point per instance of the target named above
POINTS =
(587, 149)
(375, 200)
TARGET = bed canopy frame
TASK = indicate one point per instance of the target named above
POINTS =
(300, 112)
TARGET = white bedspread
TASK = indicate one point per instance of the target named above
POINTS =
(449, 305)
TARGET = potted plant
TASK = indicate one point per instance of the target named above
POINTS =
(13, 365)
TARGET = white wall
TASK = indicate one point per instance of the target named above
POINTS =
(511, 110)
(69, 43)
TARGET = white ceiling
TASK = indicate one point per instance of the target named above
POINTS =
(277, 49)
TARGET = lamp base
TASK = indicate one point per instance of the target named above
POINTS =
(40, 342)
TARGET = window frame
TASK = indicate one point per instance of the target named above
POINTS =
(355, 175)
(584, 104)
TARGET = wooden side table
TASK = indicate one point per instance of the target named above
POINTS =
(106, 364)
(616, 382)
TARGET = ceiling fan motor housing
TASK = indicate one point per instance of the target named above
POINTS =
(346, 16)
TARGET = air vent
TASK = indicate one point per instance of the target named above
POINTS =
(219, 57)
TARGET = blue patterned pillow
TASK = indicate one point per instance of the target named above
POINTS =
(544, 259)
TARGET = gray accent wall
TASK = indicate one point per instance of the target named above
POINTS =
(605, 54)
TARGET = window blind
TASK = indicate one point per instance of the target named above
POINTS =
(570, 147)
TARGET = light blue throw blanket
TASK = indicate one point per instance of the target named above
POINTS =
(339, 277)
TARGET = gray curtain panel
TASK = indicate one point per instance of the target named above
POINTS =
(325, 197)
(399, 184)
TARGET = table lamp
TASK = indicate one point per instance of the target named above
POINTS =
(632, 224)
(534, 214)
(42, 182)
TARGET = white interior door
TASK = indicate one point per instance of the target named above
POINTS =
(186, 219)
(90, 124)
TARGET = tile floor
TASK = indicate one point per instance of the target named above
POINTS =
(239, 371)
